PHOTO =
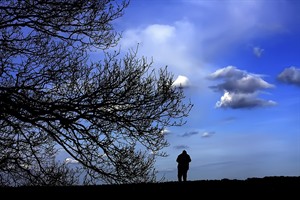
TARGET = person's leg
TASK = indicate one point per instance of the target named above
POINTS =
(184, 175)
(179, 175)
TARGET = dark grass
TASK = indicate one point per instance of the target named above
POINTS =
(278, 186)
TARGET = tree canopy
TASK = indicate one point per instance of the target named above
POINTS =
(108, 115)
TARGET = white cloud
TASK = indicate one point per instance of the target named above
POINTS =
(165, 132)
(236, 80)
(227, 72)
(242, 100)
(168, 45)
(159, 33)
(71, 161)
(207, 134)
(240, 88)
(181, 81)
(290, 75)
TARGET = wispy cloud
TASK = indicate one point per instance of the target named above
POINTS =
(228, 119)
(181, 147)
(207, 134)
(188, 134)
(257, 51)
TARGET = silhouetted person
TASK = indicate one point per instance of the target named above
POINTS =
(183, 161)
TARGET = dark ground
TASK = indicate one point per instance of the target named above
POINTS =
(282, 186)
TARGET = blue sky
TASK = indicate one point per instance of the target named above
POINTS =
(239, 61)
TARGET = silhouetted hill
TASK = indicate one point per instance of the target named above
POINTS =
(251, 187)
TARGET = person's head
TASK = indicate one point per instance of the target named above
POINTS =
(184, 152)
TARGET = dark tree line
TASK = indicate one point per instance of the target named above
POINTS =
(108, 115)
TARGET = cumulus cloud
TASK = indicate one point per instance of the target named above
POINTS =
(240, 88)
(239, 81)
(171, 45)
(181, 82)
(290, 75)
(242, 100)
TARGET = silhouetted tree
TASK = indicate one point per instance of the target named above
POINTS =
(32, 162)
(106, 114)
